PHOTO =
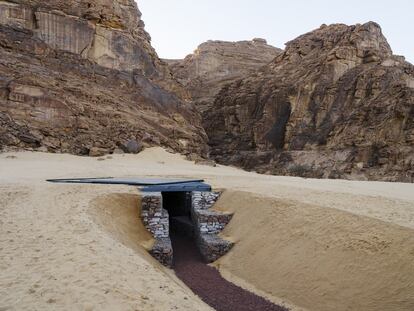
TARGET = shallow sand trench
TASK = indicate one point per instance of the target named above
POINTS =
(58, 254)
(319, 258)
(313, 244)
(207, 282)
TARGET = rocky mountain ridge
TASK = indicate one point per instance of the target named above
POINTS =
(81, 77)
(217, 63)
(336, 104)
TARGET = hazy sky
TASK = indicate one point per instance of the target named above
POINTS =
(177, 27)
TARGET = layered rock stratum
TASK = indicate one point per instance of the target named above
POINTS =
(217, 63)
(81, 77)
(336, 103)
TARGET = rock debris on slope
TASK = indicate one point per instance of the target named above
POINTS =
(336, 104)
(81, 77)
(217, 63)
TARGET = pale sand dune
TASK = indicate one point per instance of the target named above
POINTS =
(318, 258)
(318, 244)
(56, 254)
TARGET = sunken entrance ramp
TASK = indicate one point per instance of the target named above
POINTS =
(182, 205)
(207, 283)
(179, 215)
(186, 210)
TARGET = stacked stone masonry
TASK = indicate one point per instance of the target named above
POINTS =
(212, 247)
(155, 219)
(204, 200)
(162, 251)
(207, 225)
(211, 222)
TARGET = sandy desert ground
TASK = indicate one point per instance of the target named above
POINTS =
(312, 244)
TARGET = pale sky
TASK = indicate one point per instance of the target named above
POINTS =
(177, 27)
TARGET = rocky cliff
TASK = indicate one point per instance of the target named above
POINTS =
(81, 76)
(336, 103)
(217, 63)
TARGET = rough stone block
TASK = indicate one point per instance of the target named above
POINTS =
(154, 217)
(212, 222)
(212, 247)
(204, 200)
(16, 15)
(64, 32)
(163, 251)
(115, 49)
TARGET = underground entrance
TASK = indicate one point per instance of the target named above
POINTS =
(178, 206)
(186, 213)
(192, 241)
(182, 204)
(178, 213)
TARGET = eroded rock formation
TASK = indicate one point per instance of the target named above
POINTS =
(217, 63)
(336, 103)
(81, 76)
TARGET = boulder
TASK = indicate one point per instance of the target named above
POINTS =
(97, 152)
(118, 151)
(132, 146)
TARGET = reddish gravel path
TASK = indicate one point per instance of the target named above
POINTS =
(207, 283)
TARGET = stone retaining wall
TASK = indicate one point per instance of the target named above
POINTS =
(205, 224)
(209, 223)
(212, 247)
(156, 220)
(154, 217)
(163, 251)
(204, 200)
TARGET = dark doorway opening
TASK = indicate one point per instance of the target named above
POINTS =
(190, 267)
(178, 205)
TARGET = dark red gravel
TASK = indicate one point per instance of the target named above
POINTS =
(206, 282)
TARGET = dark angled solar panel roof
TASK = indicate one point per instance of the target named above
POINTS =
(180, 187)
(127, 181)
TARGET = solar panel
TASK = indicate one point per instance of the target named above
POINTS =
(179, 187)
(126, 181)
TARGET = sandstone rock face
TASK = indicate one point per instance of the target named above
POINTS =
(217, 63)
(335, 104)
(80, 75)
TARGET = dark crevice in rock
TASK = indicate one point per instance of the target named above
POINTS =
(347, 93)
(276, 135)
